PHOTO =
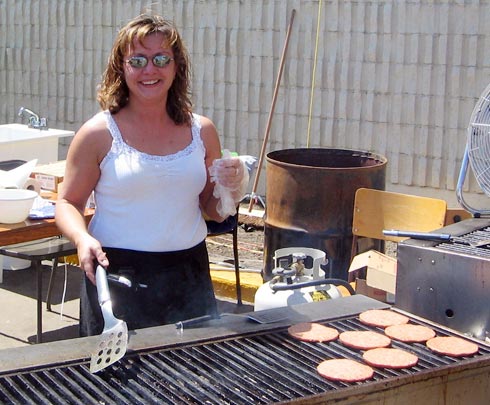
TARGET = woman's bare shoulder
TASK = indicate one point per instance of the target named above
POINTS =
(93, 136)
(209, 135)
(93, 126)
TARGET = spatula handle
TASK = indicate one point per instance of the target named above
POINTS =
(102, 285)
(419, 235)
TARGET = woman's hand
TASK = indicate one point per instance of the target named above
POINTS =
(229, 173)
(231, 179)
(89, 253)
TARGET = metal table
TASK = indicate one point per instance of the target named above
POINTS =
(47, 245)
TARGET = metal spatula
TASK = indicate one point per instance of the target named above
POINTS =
(113, 341)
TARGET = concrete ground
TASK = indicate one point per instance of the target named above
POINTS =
(18, 302)
(18, 324)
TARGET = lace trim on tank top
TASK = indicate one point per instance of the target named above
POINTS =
(119, 145)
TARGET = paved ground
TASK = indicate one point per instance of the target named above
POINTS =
(18, 298)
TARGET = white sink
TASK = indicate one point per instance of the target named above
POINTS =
(18, 141)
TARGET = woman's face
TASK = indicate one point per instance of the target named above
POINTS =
(150, 82)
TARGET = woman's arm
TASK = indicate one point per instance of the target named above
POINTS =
(82, 173)
(230, 174)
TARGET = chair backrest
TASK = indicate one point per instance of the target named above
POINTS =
(376, 210)
(220, 228)
(454, 215)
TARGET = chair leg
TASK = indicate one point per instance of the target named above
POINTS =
(353, 252)
(237, 265)
(54, 267)
(39, 274)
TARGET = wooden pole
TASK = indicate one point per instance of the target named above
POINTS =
(271, 113)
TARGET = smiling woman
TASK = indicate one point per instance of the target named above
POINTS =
(146, 157)
(150, 82)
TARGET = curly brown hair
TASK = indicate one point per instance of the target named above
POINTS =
(113, 91)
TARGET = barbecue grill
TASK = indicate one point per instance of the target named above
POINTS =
(448, 282)
(235, 360)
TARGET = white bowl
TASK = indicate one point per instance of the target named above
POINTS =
(15, 205)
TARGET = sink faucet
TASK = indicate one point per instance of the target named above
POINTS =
(34, 120)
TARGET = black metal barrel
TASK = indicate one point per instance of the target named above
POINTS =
(310, 199)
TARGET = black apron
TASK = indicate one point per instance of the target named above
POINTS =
(166, 288)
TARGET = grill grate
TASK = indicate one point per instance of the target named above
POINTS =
(258, 369)
(475, 236)
(483, 252)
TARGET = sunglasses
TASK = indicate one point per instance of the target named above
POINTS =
(139, 62)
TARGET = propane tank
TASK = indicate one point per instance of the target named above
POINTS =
(298, 278)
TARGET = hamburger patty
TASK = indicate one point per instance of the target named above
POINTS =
(452, 346)
(364, 340)
(390, 358)
(313, 332)
(344, 370)
(410, 333)
(382, 318)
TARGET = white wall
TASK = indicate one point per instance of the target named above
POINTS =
(399, 78)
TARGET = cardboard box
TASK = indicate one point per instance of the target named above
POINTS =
(363, 289)
(50, 175)
(380, 281)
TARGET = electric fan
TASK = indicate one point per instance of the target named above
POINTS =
(477, 152)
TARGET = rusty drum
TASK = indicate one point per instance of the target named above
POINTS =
(310, 199)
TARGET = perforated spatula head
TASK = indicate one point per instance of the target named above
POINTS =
(113, 341)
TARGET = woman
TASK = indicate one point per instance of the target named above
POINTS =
(146, 158)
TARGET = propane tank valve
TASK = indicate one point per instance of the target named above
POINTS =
(283, 274)
(299, 263)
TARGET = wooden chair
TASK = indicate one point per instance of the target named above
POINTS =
(454, 215)
(376, 210)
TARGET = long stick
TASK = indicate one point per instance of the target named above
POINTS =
(269, 121)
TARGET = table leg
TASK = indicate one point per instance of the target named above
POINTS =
(39, 274)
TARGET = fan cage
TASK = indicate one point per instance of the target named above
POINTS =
(478, 143)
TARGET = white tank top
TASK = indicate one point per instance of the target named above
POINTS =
(149, 202)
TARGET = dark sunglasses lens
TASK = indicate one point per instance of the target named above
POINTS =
(161, 60)
(138, 61)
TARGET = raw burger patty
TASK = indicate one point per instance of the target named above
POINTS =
(410, 333)
(313, 332)
(389, 358)
(364, 340)
(344, 370)
(382, 318)
(452, 346)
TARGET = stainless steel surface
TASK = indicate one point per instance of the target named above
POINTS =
(236, 361)
(448, 283)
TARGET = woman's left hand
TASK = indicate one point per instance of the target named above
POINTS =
(228, 172)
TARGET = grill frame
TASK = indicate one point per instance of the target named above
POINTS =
(247, 342)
